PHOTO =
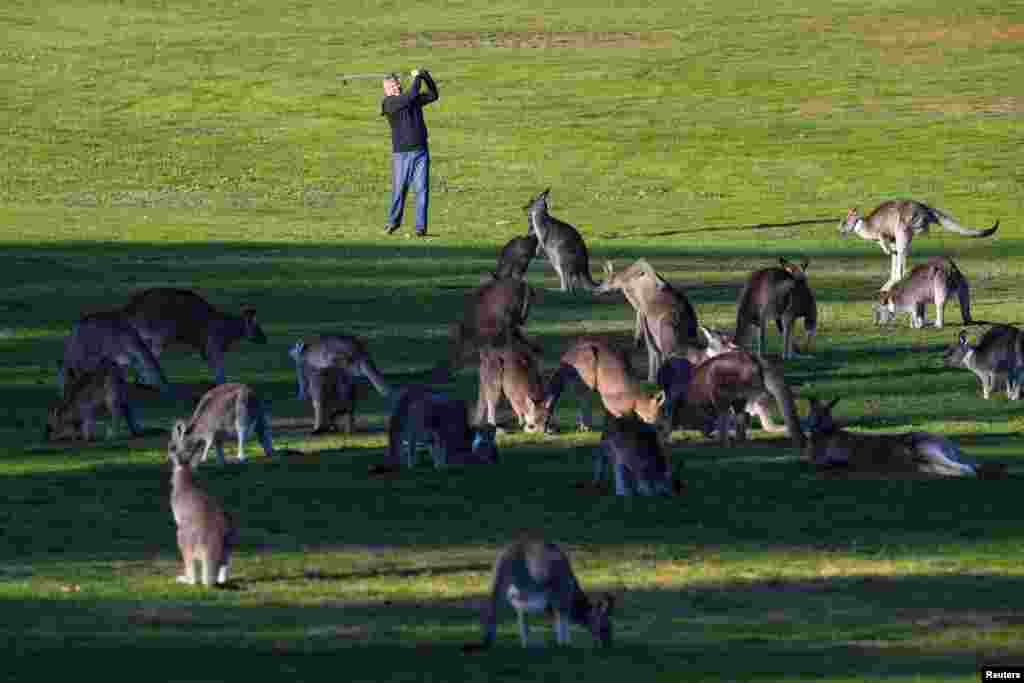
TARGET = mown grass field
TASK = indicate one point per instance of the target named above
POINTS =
(216, 146)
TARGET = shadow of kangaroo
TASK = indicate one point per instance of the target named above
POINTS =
(167, 317)
(562, 244)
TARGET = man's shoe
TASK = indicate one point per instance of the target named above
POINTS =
(421, 234)
(390, 228)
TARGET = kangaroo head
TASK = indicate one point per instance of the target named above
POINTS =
(599, 620)
(851, 222)
(540, 202)
(537, 413)
(820, 419)
(797, 270)
(253, 332)
(957, 353)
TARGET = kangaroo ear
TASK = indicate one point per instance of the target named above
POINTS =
(706, 332)
(963, 338)
(803, 266)
(659, 398)
(178, 433)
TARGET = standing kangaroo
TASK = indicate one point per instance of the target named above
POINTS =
(101, 337)
(562, 244)
(165, 316)
(515, 373)
(493, 316)
(535, 576)
(782, 294)
(893, 225)
(928, 283)
(206, 534)
(515, 257)
(665, 319)
(637, 457)
(998, 356)
(87, 396)
(224, 409)
(334, 359)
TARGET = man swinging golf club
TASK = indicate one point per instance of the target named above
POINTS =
(410, 159)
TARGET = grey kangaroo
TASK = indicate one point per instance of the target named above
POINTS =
(513, 372)
(108, 336)
(782, 294)
(997, 357)
(87, 396)
(929, 283)
(206, 534)
(535, 576)
(893, 225)
(639, 463)
(224, 409)
(165, 316)
(562, 244)
(515, 257)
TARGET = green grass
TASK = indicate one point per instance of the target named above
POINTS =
(213, 145)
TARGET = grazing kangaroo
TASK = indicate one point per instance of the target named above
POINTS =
(893, 225)
(535, 576)
(562, 244)
(333, 360)
(665, 319)
(515, 257)
(783, 294)
(928, 283)
(916, 454)
(997, 357)
(493, 316)
(605, 369)
(514, 372)
(87, 396)
(639, 463)
(224, 409)
(165, 316)
(206, 534)
(424, 416)
(108, 336)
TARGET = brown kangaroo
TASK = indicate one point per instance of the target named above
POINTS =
(929, 283)
(87, 396)
(224, 409)
(514, 372)
(782, 294)
(493, 316)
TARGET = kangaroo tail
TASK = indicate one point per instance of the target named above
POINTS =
(376, 378)
(949, 223)
(956, 282)
(775, 383)
(296, 353)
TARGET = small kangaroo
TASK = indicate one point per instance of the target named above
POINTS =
(928, 283)
(997, 357)
(603, 368)
(639, 463)
(206, 534)
(562, 244)
(665, 319)
(224, 409)
(515, 257)
(494, 315)
(535, 576)
(893, 225)
(325, 368)
(89, 395)
(781, 293)
(916, 454)
(514, 372)
(108, 336)
(165, 316)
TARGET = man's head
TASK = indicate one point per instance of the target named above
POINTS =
(392, 86)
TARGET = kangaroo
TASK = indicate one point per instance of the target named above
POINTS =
(638, 460)
(108, 336)
(513, 372)
(915, 454)
(893, 225)
(998, 356)
(781, 293)
(346, 357)
(605, 369)
(206, 534)
(928, 283)
(224, 409)
(87, 396)
(424, 416)
(562, 244)
(727, 384)
(164, 317)
(665, 319)
(534, 576)
(514, 259)
(493, 316)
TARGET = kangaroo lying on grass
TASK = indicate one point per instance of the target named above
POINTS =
(514, 372)
(164, 317)
(781, 294)
(493, 316)
(639, 463)
(206, 534)
(535, 576)
(893, 225)
(928, 283)
(101, 337)
(224, 409)
(89, 395)
(562, 244)
(665, 319)
(515, 257)
(605, 369)
(326, 367)
(997, 357)
(917, 454)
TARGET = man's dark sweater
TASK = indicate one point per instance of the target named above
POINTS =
(405, 114)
